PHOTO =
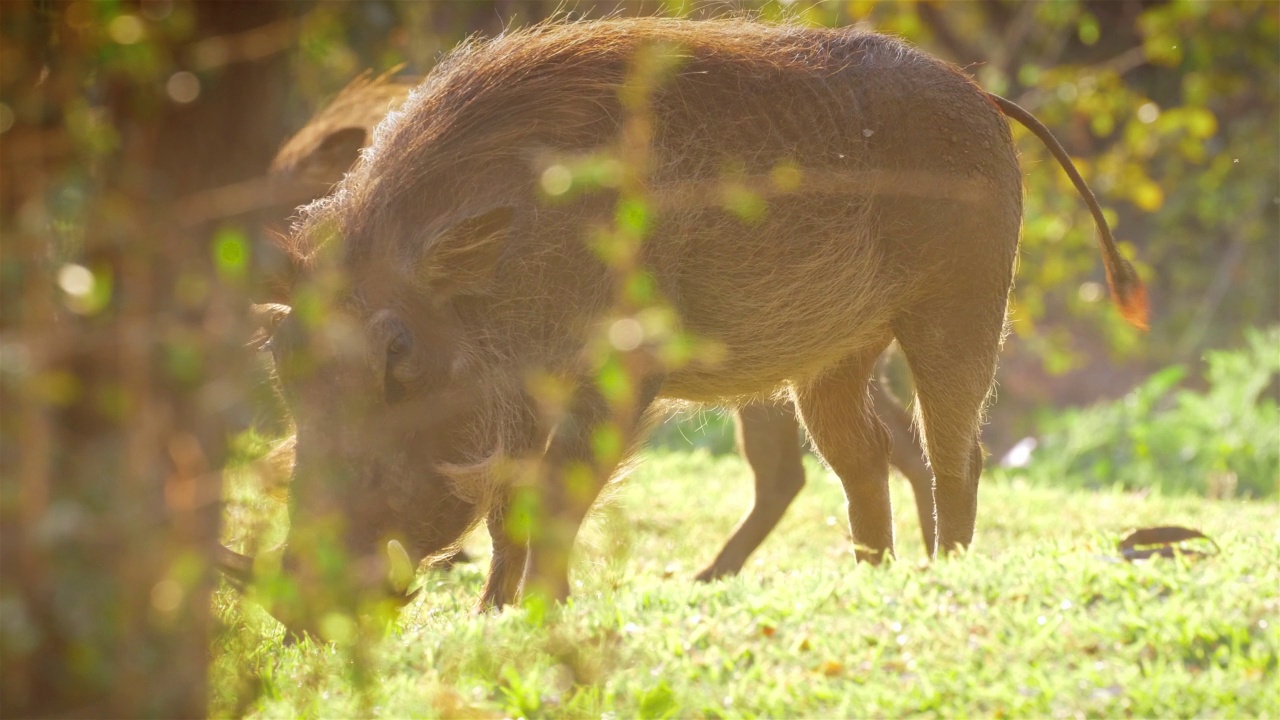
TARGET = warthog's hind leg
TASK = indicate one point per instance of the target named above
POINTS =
(953, 361)
(837, 411)
(769, 439)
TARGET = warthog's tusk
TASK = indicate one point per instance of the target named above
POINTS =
(400, 571)
(238, 568)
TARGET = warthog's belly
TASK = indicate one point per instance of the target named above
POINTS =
(777, 299)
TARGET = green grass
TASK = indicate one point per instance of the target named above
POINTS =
(1038, 619)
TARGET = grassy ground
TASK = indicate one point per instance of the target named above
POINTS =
(1039, 619)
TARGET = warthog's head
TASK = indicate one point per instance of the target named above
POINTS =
(393, 441)
(448, 282)
(394, 412)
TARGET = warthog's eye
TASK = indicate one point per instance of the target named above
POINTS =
(269, 317)
(398, 358)
(399, 348)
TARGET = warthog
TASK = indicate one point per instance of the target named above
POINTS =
(314, 159)
(458, 375)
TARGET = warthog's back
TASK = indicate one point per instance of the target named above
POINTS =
(784, 168)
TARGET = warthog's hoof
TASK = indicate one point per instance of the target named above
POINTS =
(715, 571)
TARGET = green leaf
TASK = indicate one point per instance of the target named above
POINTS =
(658, 702)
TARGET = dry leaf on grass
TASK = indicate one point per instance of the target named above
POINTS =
(1165, 541)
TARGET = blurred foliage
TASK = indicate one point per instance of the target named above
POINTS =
(132, 133)
(1217, 442)
(121, 342)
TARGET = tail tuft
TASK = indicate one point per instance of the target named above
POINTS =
(1127, 290)
(1129, 293)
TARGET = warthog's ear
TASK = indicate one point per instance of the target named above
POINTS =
(339, 151)
(266, 317)
(464, 259)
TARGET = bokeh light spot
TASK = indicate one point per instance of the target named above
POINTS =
(786, 176)
(626, 334)
(166, 596)
(75, 280)
(183, 87)
(1091, 291)
(556, 180)
(231, 253)
(338, 628)
(126, 29)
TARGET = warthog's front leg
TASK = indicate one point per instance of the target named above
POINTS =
(908, 457)
(585, 450)
(510, 556)
(769, 439)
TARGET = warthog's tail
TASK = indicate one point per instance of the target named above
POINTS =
(1126, 288)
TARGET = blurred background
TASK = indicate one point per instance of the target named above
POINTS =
(137, 227)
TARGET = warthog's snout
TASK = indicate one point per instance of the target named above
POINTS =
(388, 576)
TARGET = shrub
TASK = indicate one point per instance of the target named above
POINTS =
(1219, 441)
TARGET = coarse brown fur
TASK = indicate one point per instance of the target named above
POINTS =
(314, 160)
(464, 285)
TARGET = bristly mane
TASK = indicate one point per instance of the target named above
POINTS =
(555, 86)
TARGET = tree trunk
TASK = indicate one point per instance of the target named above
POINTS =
(123, 342)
